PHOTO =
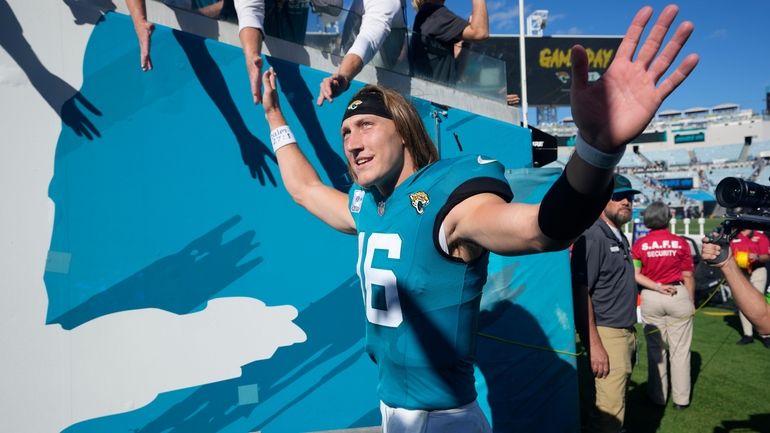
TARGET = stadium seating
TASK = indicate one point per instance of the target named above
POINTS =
(759, 147)
(716, 174)
(631, 160)
(671, 156)
(711, 154)
(764, 176)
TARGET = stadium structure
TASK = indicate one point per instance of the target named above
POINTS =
(683, 154)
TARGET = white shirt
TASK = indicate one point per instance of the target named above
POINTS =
(378, 16)
(251, 13)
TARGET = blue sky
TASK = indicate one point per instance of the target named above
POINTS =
(732, 38)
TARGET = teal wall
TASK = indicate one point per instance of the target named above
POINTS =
(176, 200)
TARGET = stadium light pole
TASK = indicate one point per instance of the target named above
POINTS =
(523, 66)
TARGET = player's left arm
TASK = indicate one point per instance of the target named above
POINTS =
(569, 207)
(504, 228)
(609, 113)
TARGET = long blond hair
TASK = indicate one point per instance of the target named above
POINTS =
(417, 4)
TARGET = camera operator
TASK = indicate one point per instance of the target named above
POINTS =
(747, 298)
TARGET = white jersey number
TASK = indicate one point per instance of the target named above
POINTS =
(391, 316)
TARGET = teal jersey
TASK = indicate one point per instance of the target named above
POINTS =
(422, 304)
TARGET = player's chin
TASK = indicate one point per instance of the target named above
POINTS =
(364, 180)
(364, 176)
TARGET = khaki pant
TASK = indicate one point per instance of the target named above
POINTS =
(610, 409)
(668, 331)
(758, 279)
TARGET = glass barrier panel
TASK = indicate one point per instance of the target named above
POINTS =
(322, 25)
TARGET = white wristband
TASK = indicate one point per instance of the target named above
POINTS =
(596, 157)
(281, 136)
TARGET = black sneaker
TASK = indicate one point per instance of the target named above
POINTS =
(681, 406)
(745, 340)
(766, 342)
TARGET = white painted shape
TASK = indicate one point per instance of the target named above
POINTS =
(128, 358)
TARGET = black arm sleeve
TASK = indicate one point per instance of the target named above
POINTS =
(565, 213)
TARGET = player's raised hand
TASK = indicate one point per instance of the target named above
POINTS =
(615, 109)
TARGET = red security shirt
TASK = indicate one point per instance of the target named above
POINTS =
(664, 256)
(757, 243)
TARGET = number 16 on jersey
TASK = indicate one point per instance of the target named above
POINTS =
(370, 276)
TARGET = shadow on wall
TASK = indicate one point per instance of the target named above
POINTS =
(529, 389)
(179, 283)
(254, 153)
(74, 109)
(90, 13)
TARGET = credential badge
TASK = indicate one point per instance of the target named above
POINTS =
(419, 200)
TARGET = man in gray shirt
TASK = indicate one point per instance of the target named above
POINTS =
(605, 306)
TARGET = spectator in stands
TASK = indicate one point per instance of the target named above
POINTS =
(284, 19)
(435, 34)
(751, 304)
(664, 271)
(751, 249)
(376, 19)
(604, 290)
(143, 29)
(251, 14)
(251, 17)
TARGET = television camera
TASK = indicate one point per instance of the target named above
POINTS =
(747, 204)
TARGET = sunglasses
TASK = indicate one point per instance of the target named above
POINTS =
(622, 195)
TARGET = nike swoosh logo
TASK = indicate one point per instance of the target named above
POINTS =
(481, 160)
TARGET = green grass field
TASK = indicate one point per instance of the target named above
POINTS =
(708, 226)
(731, 383)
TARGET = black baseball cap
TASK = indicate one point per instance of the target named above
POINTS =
(623, 186)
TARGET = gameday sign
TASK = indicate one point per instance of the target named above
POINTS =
(548, 63)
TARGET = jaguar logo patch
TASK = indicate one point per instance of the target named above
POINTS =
(419, 200)
(353, 105)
